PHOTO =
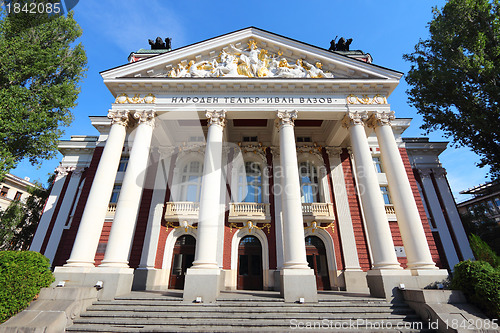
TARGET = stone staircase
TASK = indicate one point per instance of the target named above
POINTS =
(246, 311)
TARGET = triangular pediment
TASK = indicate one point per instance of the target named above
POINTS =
(251, 53)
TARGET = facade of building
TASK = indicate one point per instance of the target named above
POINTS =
(250, 161)
(485, 196)
(13, 188)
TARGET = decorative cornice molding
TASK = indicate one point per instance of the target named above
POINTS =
(314, 150)
(216, 117)
(120, 117)
(354, 118)
(286, 117)
(381, 118)
(258, 149)
(123, 99)
(366, 100)
(145, 117)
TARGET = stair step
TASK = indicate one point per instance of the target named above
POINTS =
(162, 328)
(149, 312)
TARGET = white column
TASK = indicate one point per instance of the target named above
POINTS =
(64, 212)
(207, 242)
(437, 213)
(408, 217)
(291, 204)
(451, 209)
(89, 231)
(382, 245)
(50, 205)
(122, 229)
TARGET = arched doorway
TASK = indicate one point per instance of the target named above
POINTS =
(250, 264)
(316, 258)
(182, 259)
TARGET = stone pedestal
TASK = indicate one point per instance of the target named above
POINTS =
(117, 281)
(298, 283)
(385, 283)
(204, 283)
(355, 281)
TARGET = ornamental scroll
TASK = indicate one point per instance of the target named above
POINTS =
(249, 62)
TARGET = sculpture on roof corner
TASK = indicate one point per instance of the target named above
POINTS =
(341, 45)
(251, 61)
(158, 44)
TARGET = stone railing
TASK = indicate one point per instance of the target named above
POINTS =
(389, 210)
(111, 209)
(182, 208)
(318, 209)
(249, 209)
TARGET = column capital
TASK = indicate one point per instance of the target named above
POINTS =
(333, 151)
(119, 117)
(77, 171)
(439, 172)
(216, 117)
(286, 117)
(425, 173)
(354, 118)
(145, 117)
(381, 118)
(62, 171)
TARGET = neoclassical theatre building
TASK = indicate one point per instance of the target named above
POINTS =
(250, 161)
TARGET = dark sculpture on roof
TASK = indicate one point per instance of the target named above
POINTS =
(341, 45)
(158, 44)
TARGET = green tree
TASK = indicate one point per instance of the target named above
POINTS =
(19, 221)
(40, 68)
(479, 222)
(455, 77)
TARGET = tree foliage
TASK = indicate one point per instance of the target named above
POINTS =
(455, 77)
(480, 223)
(19, 221)
(40, 68)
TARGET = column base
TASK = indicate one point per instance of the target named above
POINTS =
(116, 281)
(385, 283)
(355, 281)
(298, 283)
(204, 283)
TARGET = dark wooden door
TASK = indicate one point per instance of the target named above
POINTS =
(250, 264)
(182, 259)
(316, 257)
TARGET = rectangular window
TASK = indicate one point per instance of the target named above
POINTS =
(250, 139)
(115, 194)
(4, 192)
(196, 139)
(18, 195)
(123, 164)
(497, 203)
(304, 139)
(386, 195)
(491, 208)
(378, 164)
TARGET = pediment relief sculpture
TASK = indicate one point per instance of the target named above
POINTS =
(249, 62)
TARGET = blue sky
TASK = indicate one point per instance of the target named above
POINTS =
(384, 28)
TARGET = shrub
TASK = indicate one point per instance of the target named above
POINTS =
(22, 275)
(481, 285)
(482, 251)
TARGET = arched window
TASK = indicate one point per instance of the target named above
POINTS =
(309, 184)
(191, 181)
(250, 183)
